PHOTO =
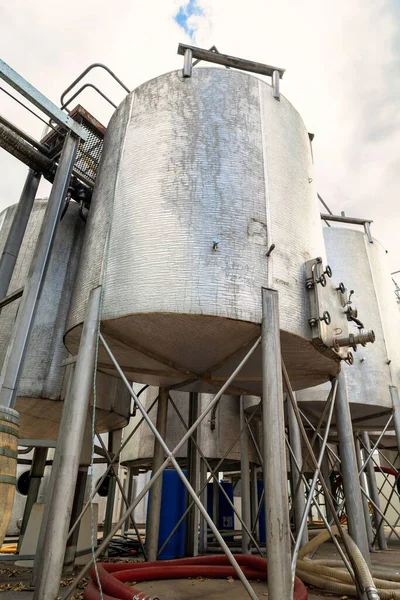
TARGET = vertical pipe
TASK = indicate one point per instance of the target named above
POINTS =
(275, 469)
(191, 530)
(35, 479)
(215, 500)
(14, 361)
(300, 500)
(254, 499)
(351, 482)
(373, 492)
(54, 529)
(203, 498)
(114, 438)
(367, 518)
(153, 519)
(187, 63)
(17, 231)
(245, 480)
(275, 85)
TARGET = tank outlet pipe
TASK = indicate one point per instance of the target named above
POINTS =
(354, 339)
(9, 433)
(30, 156)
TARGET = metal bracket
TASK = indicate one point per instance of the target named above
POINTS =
(40, 101)
(231, 61)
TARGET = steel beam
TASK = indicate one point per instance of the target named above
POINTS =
(35, 479)
(192, 522)
(373, 492)
(40, 101)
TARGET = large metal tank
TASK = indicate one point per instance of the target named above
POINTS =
(43, 383)
(215, 440)
(199, 177)
(377, 366)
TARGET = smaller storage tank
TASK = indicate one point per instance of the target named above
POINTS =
(377, 366)
(43, 383)
(214, 443)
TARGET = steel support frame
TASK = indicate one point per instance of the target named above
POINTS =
(373, 492)
(273, 409)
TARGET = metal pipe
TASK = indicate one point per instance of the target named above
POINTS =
(351, 483)
(13, 364)
(274, 453)
(23, 151)
(153, 518)
(187, 63)
(299, 499)
(25, 136)
(193, 459)
(49, 560)
(373, 492)
(367, 519)
(35, 479)
(17, 231)
(326, 472)
(275, 85)
(245, 479)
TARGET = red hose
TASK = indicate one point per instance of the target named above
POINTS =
(112, 575)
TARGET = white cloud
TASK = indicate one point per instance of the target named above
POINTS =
(342, 75)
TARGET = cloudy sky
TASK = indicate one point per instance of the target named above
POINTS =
(343, 75)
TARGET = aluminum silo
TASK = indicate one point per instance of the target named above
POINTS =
(376, 367)
(43, 383)
(199, 177)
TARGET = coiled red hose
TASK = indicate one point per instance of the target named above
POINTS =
(112, 575)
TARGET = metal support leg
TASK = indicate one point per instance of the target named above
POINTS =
(373, 492)
(153, 519)
(245, 480)
(17, 231)
(275, 469)
(203, 498)
(79, 498)
(130, 494)
(299, 499)
(13, 364)
(367, 518)
(49, 559)
(254, 500)
(351, 482)
(192, 523)
(35, 479)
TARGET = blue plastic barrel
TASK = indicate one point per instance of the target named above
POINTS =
(261, 520)
(173, 506)
(226, 518)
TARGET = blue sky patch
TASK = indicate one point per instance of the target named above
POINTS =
(186, 11)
